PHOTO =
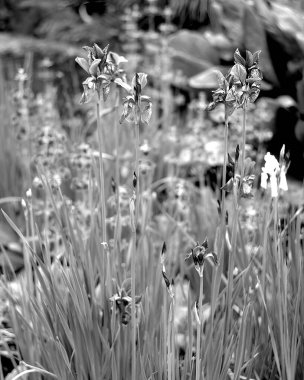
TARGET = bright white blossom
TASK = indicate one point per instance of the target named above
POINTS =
(272, 171)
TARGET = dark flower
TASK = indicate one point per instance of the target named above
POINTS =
(199, 255)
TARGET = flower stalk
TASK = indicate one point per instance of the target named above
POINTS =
(198, 361)
(101, 173)
(199, 254)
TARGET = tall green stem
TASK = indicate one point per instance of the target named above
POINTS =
(216, 280)
(198, 334)
(243, 142)
(101, 174)
(117, 234)
(223, 208)
(134, 251)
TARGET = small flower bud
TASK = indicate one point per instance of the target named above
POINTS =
(134, 180)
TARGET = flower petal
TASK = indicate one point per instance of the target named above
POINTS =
(123, 84)
(83, 63)
(94, 67)
(146, 113)
(213, 256)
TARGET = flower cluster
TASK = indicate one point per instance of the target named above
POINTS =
(275, 172)
(241, 84)
(199, 255)
(103, 68)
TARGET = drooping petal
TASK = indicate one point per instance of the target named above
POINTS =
(123, 84)
(213, 256)
(146, 113)
(116, 59)
(83, 63)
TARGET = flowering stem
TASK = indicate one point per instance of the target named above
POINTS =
(223, 211)
(117, 236)
(171, 343)
(101, 174)
(134, 233)
(243, 142)
(198, 333)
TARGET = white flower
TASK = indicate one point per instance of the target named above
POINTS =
(264, 178)
(271, 164)
(271, 171)
(283, 182)
(274, 186)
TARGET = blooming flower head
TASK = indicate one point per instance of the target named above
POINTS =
(102, 67)
(123, 302)
(136, 107)
(199, 255)
(241, 84)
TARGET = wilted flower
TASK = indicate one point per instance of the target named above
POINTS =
(136, 107)
(199, 255)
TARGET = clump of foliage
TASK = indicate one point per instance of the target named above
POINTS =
(102, 295)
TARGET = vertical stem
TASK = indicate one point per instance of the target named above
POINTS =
(223, 208)
(169, 343)
(101, 174)
(172, 339)
(165, 335)
(198, 333)
(133, 317)
(243, 142)
(134, 251)
(117, 180)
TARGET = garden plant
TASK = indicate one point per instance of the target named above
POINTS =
(135, 267)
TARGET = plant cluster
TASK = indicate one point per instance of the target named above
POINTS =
(96, 300)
